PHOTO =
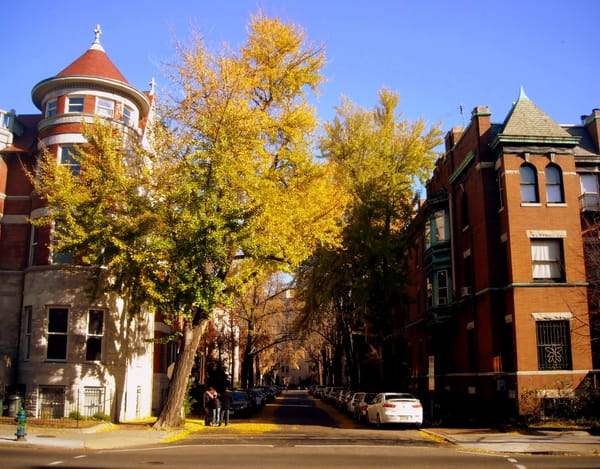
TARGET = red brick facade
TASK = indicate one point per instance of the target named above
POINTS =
(488, 294)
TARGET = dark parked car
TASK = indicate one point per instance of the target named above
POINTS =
(241, 406)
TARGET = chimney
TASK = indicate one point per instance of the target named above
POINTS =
(592, 125)
(453, 136)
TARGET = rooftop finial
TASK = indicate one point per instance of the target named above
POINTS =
(522, 94)
(97, 32)
(96, 44)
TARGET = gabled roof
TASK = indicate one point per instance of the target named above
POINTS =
(526, 119)
(94, 62)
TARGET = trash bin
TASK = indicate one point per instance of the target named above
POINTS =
(14, 405)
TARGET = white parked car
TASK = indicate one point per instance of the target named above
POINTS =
(395, 407)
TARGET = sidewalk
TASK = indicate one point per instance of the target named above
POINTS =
(533, 441)
(110, 436)
(102, 436)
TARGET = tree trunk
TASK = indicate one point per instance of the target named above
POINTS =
(171, 413)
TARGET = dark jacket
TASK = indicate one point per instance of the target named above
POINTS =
(226, 399)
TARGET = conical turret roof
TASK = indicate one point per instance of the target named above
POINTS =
(93, 63)
(93, 68)
(525, 118)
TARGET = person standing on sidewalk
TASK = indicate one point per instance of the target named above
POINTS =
(209, 406)
(216, 415)
(226, 399)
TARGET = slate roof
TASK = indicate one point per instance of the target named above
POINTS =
(526, 119)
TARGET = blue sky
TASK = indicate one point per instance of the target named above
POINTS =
(437, 54)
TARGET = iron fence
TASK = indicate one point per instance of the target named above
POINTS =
(53, 406)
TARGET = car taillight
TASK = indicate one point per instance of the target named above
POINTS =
(417, 406)
(388, 404)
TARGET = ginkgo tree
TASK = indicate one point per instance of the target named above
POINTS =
(230, 189)
(381, 158)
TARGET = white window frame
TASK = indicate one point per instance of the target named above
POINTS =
(51, 107)
(105, 107)
(127, 117)
(94, 333)
(530, 193)
(554, 190)
(66, 159)
(73, 104)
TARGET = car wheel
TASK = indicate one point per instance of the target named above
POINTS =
(378, 422)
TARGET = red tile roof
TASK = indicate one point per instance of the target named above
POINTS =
(94, 62)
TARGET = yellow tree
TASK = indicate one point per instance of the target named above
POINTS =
(231, 190)
(382, 158)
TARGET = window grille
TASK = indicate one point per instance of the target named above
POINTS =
(554, 345)
(93, 401)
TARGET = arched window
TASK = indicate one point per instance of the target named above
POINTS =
(554, 186)
(529, 188)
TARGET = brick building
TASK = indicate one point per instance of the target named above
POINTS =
(62, 352)
(500, 314)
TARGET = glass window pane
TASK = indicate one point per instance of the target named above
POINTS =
(589, 183)
(95, 323)
(57, 347)
(58, 319)
(529, 191)
(93, 348)
(554, 194)
(76, 104)
(440, 225)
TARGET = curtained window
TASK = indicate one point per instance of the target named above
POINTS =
(546, 258)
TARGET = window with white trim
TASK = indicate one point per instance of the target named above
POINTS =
(68, 159)
(58, 321)
(95, 332)
(51, 107)
(105, 107)
(547, 259)
(529, 185)
(127, 117)
(554, 185)
(75, 104)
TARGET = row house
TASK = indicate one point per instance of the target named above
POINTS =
(500, 317)
(61, 351)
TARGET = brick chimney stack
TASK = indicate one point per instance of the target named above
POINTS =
(592, 125)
